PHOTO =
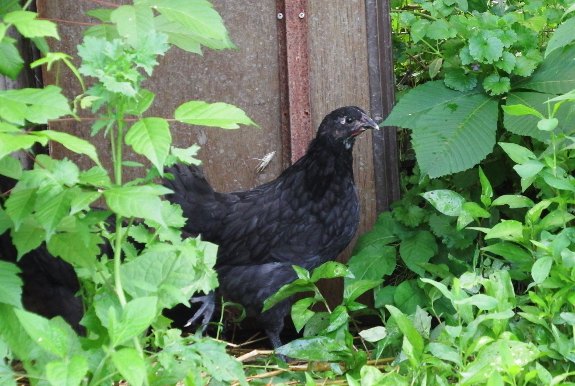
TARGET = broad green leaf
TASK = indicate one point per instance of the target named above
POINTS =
(137, 316)
(300, 312)
(10, 167)
(215, 114)
(446, 201)
(517, 153)
(511, 230)
(496, 85)
(562, 36)
(20, 205)
(137, 201)
(73, 143)
(67, 373)
(11, 288)
(130, 365)
(34, 105)
(408, 296)
(329, 270)
(444, 352)
(439, 29)
(418, 248)
(134, 22)
(483, 302)
(512, 253)
(354, 289)
(338, 318)
(485, 49)
(46, 333)
(29, 26)
(151, 137)
(10, 143)
(28, 237)
(541, 269)
(11, 63)
(372, 263)
(442, 131)
(514, 201)
(374, 334)
(555, 75)
(198, 16)
(441, 287)
(320, 348)
(521, 110)
(50, 213)
(73, 248)
(286, 291)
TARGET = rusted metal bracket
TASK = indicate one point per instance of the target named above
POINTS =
(382, 97)
(294, 67)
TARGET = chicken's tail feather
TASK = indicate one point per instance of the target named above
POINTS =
(200, 203)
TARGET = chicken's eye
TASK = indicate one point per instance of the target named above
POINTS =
(349, 119)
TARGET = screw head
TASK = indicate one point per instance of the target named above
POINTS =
(301, 15)
(280, 16)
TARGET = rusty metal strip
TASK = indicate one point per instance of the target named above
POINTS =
(382, 99)
(294, 77)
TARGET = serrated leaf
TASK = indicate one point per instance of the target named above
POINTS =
(73, 143)
(372, 263)
(459, 80)
(50, 213)
(215, 114)
(562, 36)
(11, 63)
(47, 334)
(28, 237)
(485, 49)
(137, 201)
(11, 288)
(29, 26)
(72, 248)
(151, 137)
(555, 75)
(20, 205)
(496, 85)
(439, 29)
(442, 147)
(34, 105)
(134, 22)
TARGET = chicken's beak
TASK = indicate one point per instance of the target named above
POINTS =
(363, 124)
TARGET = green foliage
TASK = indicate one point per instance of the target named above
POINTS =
(149, 266)
(485, 58)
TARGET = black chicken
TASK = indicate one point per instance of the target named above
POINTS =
(305, 217)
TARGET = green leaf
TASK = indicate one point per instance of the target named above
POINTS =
(517, 153)
(137, 201)
(11, 289)
(300, 312)
(506, 62)
(511, 230)
(372, 263)
(151, 137)
(485, 49)
(408, 296)
(50, 213)
(67, 373)
(355, 289)
(215, 114)
(130, 365)
(418, 248)
(329, 270)
(521, 110)
(483, 302)
(28, 237)
(446, 201)
(439, 29)
(496, 85)
(47, 334)
(137, 316)
(374, 334)
(442, 147)
(11, 63)
(459, 80)
(562, 36)
(75, 248)
(20, 205)
(410, 333)
(555, 75)
(73, 143)
(197, 16)
(514, 201)
(34, 105)
(529, 169)
(320, 348)
(134, 22)
(446, 353)
(29, 26)
(547, 124)
(10, 167)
